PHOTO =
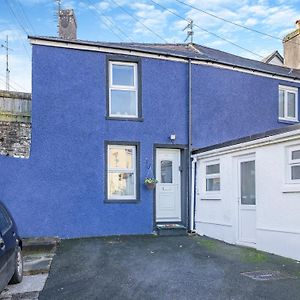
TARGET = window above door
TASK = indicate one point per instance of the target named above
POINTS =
(288, 104)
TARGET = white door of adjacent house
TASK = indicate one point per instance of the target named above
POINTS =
(168, 189)
(247, 202)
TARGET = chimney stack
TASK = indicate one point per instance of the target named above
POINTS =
(67, 27)
(291, 46)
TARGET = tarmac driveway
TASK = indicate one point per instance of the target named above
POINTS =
(181, 267)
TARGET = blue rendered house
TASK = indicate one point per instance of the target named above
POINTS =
(105, 116)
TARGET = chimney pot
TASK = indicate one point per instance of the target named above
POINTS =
(67, 26)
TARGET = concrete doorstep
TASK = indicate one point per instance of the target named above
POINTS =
(38, 255)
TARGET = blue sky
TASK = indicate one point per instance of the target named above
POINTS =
(105, 21)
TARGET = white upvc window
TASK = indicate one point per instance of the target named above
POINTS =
(294, 164)
(121, 172)
(288, 103)
(123, 89)
(212, 176)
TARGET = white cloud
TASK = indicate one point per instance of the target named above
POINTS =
(251, 22)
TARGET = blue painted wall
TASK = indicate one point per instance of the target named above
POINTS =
(60, 189)
(228, 105)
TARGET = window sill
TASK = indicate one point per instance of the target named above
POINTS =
(140, 119)
(213, 197)
(285, 121)
(291, 188)
(120, 201)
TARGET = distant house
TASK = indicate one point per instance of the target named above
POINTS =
(107, 115)
(275, 58)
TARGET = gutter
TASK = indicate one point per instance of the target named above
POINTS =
(94, 46)
(270, 140)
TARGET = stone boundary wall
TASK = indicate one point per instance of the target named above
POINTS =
(15, 139)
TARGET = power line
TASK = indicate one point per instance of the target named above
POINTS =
(136, 19)
(11, 87)
(231, 22)
(207, 31)
(25, 15)
(18, 21)
(113, 24)
(20, 25)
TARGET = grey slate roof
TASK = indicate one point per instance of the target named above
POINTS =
(193, 51)
(249, 138)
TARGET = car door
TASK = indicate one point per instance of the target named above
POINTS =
(3, 255)
(7, 247)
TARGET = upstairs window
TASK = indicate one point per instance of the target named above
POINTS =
(288, 103)
(123, 89)
(213, 177)
(294, 164)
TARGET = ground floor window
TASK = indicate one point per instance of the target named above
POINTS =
(294, 164)
(122, 171)
(213, 177)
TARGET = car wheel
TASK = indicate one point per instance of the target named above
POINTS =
(18, 275)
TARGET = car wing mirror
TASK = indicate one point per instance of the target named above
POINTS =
(2, 244)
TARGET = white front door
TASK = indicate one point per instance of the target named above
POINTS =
(168, 189)
(247, 202)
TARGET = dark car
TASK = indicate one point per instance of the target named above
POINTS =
(11, 260)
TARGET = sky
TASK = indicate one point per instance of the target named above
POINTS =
(130, 20)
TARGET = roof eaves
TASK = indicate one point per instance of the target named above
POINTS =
(249, 138)
(162, 53)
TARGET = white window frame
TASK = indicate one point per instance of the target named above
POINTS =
(286, 90)
(212, 176)
(291, 163)
(133, 88)
(122, 170)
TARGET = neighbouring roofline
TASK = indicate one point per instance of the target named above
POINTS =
(272, 55)
(275, 135)
(153, 53)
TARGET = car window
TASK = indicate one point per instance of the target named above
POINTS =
(5, 221)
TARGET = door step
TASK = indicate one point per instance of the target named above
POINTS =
(170, 229)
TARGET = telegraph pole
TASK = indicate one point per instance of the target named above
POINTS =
(5, 46)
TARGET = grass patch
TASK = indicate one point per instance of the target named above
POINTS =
(253, 256)
(208, 244)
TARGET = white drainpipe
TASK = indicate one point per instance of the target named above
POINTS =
(193, 195)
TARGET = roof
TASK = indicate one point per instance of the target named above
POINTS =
(249, 138)
(186, 51)
(271, 56)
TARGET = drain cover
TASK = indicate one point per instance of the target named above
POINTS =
(268, 275)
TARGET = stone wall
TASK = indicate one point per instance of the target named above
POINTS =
(15, 139)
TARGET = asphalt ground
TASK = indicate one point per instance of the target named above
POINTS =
(177, 267)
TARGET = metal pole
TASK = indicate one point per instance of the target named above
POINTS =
(7, 65)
